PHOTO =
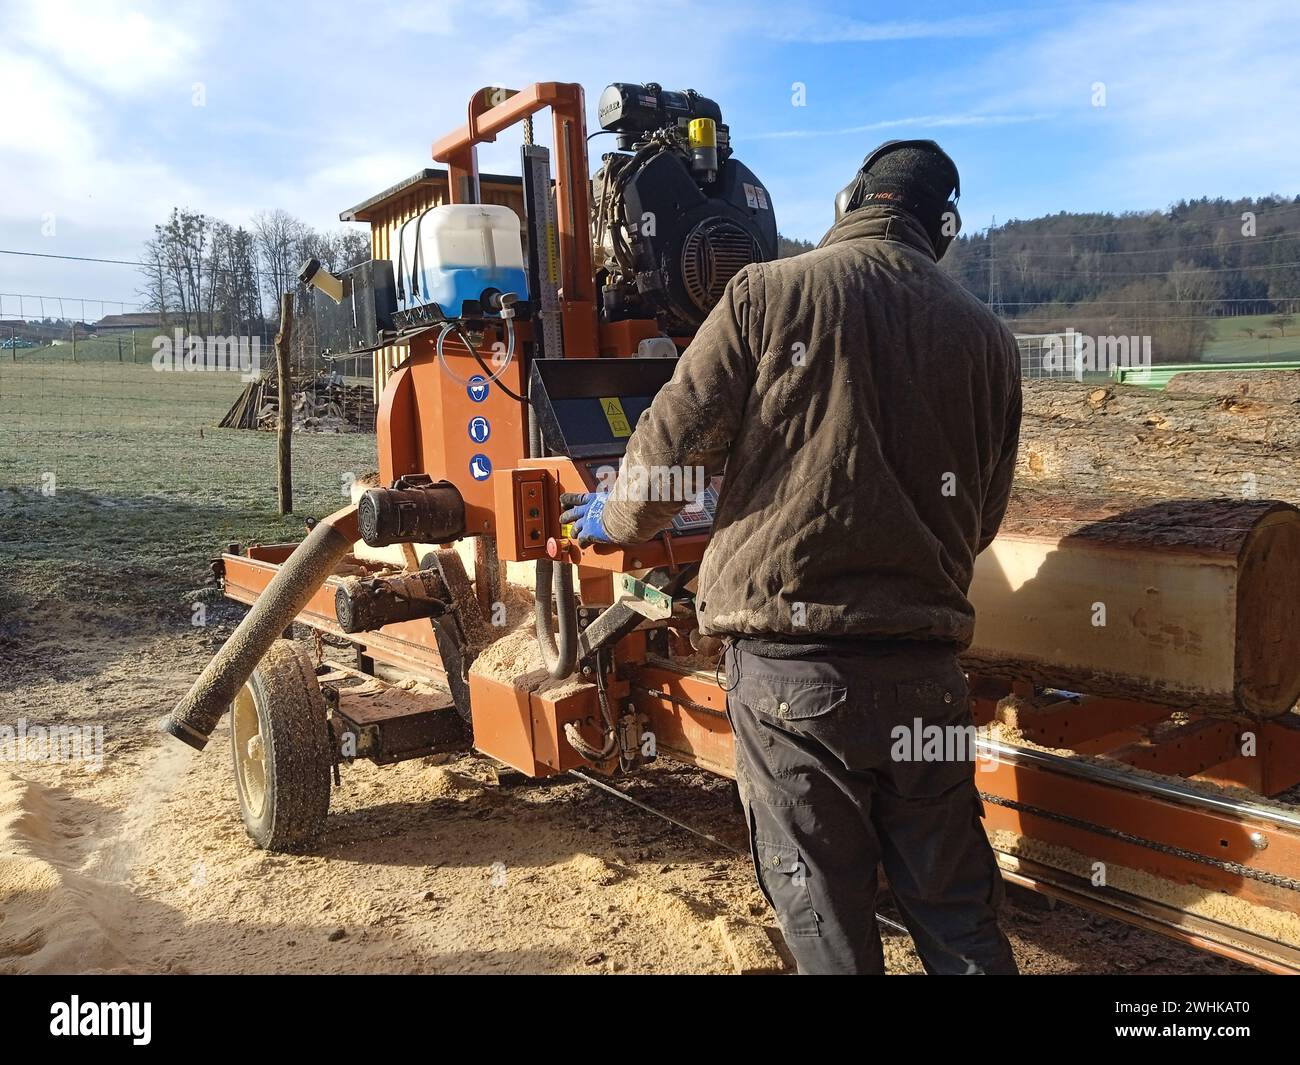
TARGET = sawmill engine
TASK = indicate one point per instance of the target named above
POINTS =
(674, 214)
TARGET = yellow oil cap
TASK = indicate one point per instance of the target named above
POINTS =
(702, 133)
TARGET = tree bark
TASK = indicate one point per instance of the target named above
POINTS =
(1270, 386)
(1116, 440)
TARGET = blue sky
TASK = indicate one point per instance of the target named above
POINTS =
(313, 107)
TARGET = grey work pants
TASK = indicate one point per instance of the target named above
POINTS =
(845, 763)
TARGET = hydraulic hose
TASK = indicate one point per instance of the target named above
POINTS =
(553, 581)
(556, 580)
(571, 733)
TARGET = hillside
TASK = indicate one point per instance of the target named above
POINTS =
(1207, 278)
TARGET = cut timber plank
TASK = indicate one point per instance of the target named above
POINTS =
(1189, 603)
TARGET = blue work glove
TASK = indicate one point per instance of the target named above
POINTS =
(586, 511)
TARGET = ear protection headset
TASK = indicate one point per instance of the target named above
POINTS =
(853, 195)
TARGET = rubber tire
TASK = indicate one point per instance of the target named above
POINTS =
(297, 754)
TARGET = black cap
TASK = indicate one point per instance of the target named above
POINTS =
(917, 176)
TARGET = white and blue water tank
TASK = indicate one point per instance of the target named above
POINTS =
(465, 249)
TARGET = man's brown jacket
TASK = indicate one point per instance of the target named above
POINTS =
(866, 409)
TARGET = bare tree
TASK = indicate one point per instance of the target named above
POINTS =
(353, 248)
(279, 239)
(156, 292)
(182, 240)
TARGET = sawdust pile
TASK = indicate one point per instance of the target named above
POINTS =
(429, 866)
(115, 858)
(515, 657)
(52, 918)
(64, 871)
(442, 783)
(1279, 925)
(597, 870)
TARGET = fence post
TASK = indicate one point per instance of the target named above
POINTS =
(133, 345)
(284, 426)
(74, 341)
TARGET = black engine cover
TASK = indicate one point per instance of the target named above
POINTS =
(689, 240)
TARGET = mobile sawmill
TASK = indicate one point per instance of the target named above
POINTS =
(1150, 747)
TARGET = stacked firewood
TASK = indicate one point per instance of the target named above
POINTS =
(321, 404)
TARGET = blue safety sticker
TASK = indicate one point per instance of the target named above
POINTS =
(477, 388)
(479, 429)
(480, 467)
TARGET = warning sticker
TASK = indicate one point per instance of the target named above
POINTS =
(751, 197)
(613, 408)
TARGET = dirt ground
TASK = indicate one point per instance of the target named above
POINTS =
(142, 865)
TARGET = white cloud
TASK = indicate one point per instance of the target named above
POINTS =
(917, 122)
(1199, 99)
(58, 162)
(111, 45)
(817, 28)
(95, 122)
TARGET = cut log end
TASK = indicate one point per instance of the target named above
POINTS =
(1268, 616)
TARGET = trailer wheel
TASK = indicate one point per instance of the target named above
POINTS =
(282, 755)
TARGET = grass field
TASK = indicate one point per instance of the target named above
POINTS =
(145, 488)
(115, 347)
(1229, 342)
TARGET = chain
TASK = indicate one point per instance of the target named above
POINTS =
(1236, 868)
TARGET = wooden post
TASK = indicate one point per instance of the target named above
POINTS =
(284, 426)
(74, 341)
(133, 358)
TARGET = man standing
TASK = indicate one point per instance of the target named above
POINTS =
(866, 409)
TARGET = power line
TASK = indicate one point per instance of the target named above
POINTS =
(70, 258)
(1188, 299)
(1256, 241)
(208, 266)
(1112, 274)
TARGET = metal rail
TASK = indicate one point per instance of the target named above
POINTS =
(1129, 781)
(1198, 932)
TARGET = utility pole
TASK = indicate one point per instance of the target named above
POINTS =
(995, 284)
(284, 425)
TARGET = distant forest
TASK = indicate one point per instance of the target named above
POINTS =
(1166, 274)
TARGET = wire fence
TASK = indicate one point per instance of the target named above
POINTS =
(125, 417)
